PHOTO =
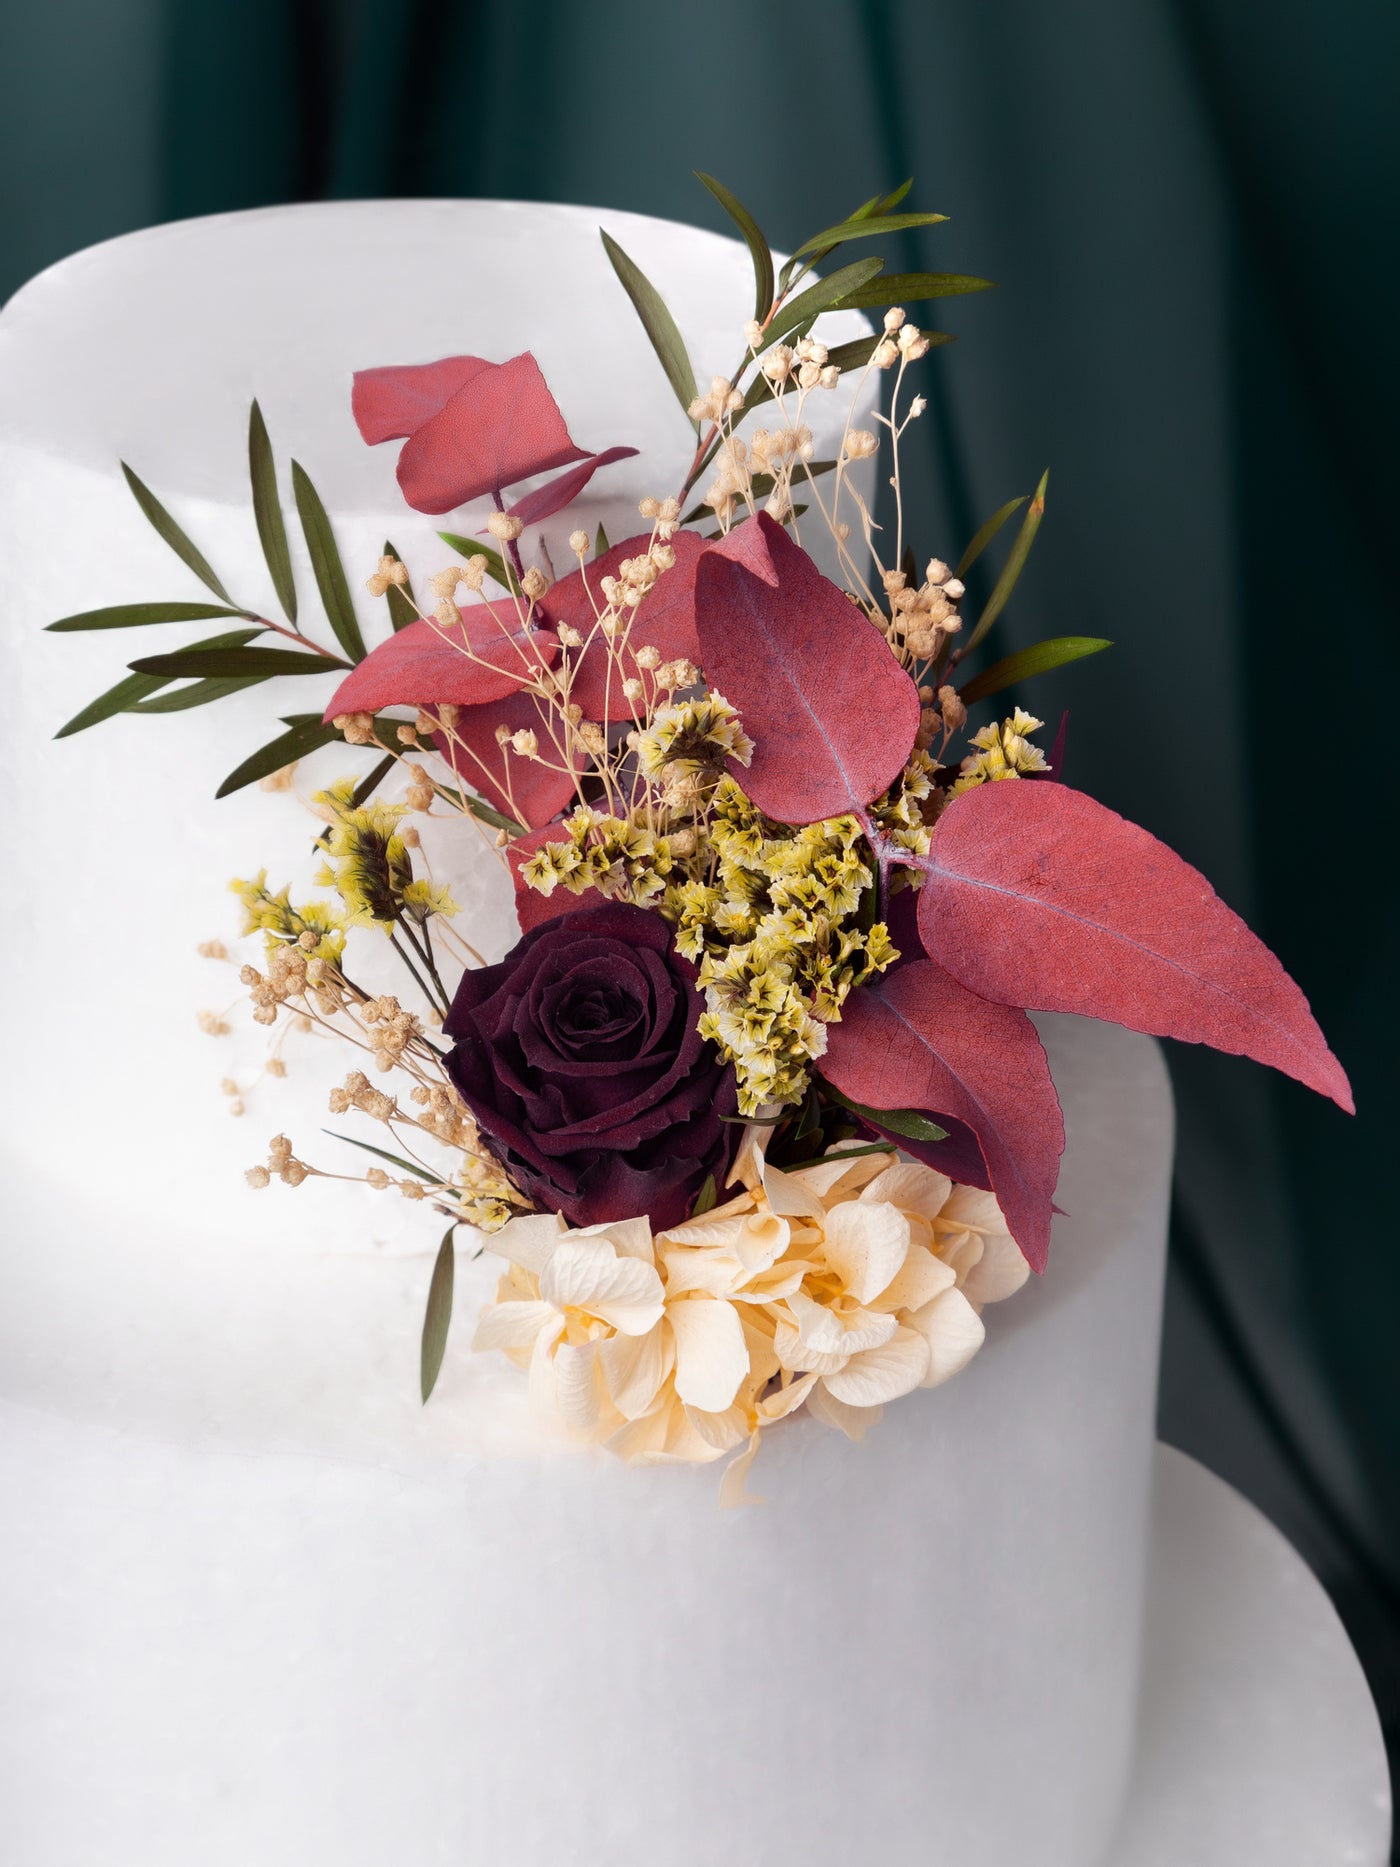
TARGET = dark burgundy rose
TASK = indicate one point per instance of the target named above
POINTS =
(579, 1058)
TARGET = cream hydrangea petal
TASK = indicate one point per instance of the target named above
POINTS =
(724, 1430)
(896, 1368)
(786, 1400)
(830, 1333)
(733, 1487)
(790, 1196)
(529, 1240)
(711, 1232)
(542, 1384)
(512, 1325)
(762, 1240)
(842, 1179)
(588, 1275)
(712, 1273)
(664, 1436)
(793, 1354)
(912, 1187)
(953, 1331)
(866, 1243)
(634, 1367)
(629, 1238)
(960, 1251)
(576, 1385)
(918, 1280)
(854, 1422)
(999, 1272)
(758, 1341)
(970, 1209)
(712, 1356)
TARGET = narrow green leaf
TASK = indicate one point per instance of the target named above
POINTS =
(395, 1160)
(482, 811)
(196, 694)
(129, 694)
(179, 541)
(438, 1317)
(911, 288)
(707, 1198)
(267, 510)
(473, 548)
(325, 562)
(1014, 565)
(987, 533)
(118, 699)
(877, 204)
(824, 295)
(372, 779)
(196, 663)
(289, 746)
(140, 615)
(399, 596)
(600, 543)
(759, 250)
(864, 227)
(907, 1122)
(886, 204)
(1028, 662)
(658, 324)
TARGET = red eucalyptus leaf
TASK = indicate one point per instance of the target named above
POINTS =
(665, 620)
(390, 404)
(531, 907)
(485, 657)
(833, 714)
(555, 494)
(915, 1038)
(502, 425)
(537, 790)
(1035, 895)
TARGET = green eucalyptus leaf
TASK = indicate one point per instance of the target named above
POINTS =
(824, 295)
(468, 548)
(284, 750)
(600, 543)
(399, 596)
(864, 227)
(179, 541)
(438, 1317)
(196, 663)
(325, 562)
(911, 288)
(1014, 565)
(986, 533)
(140, 615)
(118, 699)
(1028, 662)
(267, 510)
(196, 694)
(759, 250)
(910, 1123)
(658, 324)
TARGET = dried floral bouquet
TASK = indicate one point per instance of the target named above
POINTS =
(753, 1112)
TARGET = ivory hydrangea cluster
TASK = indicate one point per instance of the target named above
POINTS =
(838, 1287)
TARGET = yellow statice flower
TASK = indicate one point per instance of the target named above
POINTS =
(692, 738)
(622, 860)
(275, 916)
(367, 863)
(898, 812)
(1003, 752)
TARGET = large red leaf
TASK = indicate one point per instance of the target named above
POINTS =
(391, 403)
(501, 426)
(1035, 895)
(538, 791)
(532, 907)
(555, 494)
(426, 664)
(665, 620)
(915, 1038)
(833, 714)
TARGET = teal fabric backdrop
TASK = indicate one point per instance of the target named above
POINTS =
(1188, 205)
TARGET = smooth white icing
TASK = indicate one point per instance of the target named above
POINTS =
(265, 1606)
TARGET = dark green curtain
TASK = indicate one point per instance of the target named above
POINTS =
(1188, 205)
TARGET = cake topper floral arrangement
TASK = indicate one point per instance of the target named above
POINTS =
(753, 1112)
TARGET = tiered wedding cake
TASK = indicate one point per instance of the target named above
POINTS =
(260, 1604)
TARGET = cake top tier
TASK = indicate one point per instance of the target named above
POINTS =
(151, 347)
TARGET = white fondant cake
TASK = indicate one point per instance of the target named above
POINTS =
(257, 1603)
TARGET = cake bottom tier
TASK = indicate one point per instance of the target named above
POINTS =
(257, 1605)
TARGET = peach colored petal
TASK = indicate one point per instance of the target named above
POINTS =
(953, 1331)
(634, 1367)
(589, 1276)
(854, 1422)
(712, 1357)
(512, 1325)
(912, 1187)
(881, 1374)
(866, 1243)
